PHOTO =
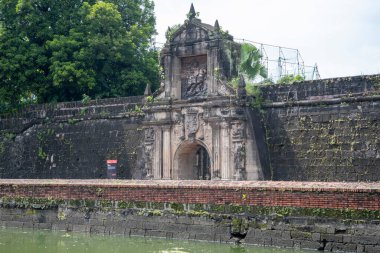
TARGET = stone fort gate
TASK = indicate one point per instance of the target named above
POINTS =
(197, 126)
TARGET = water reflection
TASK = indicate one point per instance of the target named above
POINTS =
(18, 241)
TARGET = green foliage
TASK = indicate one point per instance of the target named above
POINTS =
(250, 64)
(58, 50)
(149, 99)
(266, 81)
(61, 215)
(10, 136)
(171, 30)
(236, 209)
(99, 192)
(250, 67)
(41, 153)
(85, 99)
(72, 121)
(176, 206)
(252, 90)
(29, 202)
(136, 111)
(289, 79)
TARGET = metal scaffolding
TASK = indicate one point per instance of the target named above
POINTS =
(278, 61)
(282, 61)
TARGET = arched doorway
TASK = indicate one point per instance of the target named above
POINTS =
(192, 162)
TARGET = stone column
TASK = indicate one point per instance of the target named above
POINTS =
(166, 153)
(225, 151)
(157, 163)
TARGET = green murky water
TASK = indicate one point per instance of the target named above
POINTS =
(19, 241)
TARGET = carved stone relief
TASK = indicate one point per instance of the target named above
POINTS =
(238, 150)
(193, 76)
(237, 131)
(191, 123)
(148, 152)
(179, 128)
(149, 135)
(239, 155)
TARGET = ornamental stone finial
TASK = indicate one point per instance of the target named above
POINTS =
(192, 14)
(217, 26)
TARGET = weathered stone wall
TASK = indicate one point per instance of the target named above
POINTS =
(324, 130)
(72, 140)
(345, 216)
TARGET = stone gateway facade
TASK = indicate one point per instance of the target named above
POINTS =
(196, 128)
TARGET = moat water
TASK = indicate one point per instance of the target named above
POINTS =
(38, 241)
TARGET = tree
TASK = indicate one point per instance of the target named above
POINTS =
(250, 64)
(250, 67)
(59, 50)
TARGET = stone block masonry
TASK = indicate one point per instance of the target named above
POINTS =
(323, 130)
(321, 216)
(72, 140)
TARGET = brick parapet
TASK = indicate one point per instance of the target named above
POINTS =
(354, 196)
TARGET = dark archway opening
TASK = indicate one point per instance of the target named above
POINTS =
(192, 162)
(202, 164)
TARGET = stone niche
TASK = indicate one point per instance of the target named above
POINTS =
(197, 126)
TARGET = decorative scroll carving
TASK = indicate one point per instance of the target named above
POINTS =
(237, 131)
(192, 123)
(179, 129)
(193, 76)
(149, 135)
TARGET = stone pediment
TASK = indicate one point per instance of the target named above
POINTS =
(192, 32)
(197, 61)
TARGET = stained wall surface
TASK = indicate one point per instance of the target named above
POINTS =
(332, 217)
(324, 130)
(72, 140)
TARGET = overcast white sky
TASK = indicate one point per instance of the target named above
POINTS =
(341, 36)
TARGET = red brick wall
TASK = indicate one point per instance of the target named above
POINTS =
(261, 193)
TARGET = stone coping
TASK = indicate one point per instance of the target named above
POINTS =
(191, 184)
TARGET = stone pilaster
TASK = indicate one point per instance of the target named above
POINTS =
(216, 152)
(157, 163)
(166, 153)
(225, 151)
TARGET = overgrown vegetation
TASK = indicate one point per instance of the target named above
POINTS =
(250, 67)
(171, 31)
(289, 79)
(250, 64)
(59, 50)
(209, 210)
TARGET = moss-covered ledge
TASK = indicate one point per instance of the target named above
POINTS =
(204, 210)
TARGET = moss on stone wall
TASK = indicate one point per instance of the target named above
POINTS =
(157, 209)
